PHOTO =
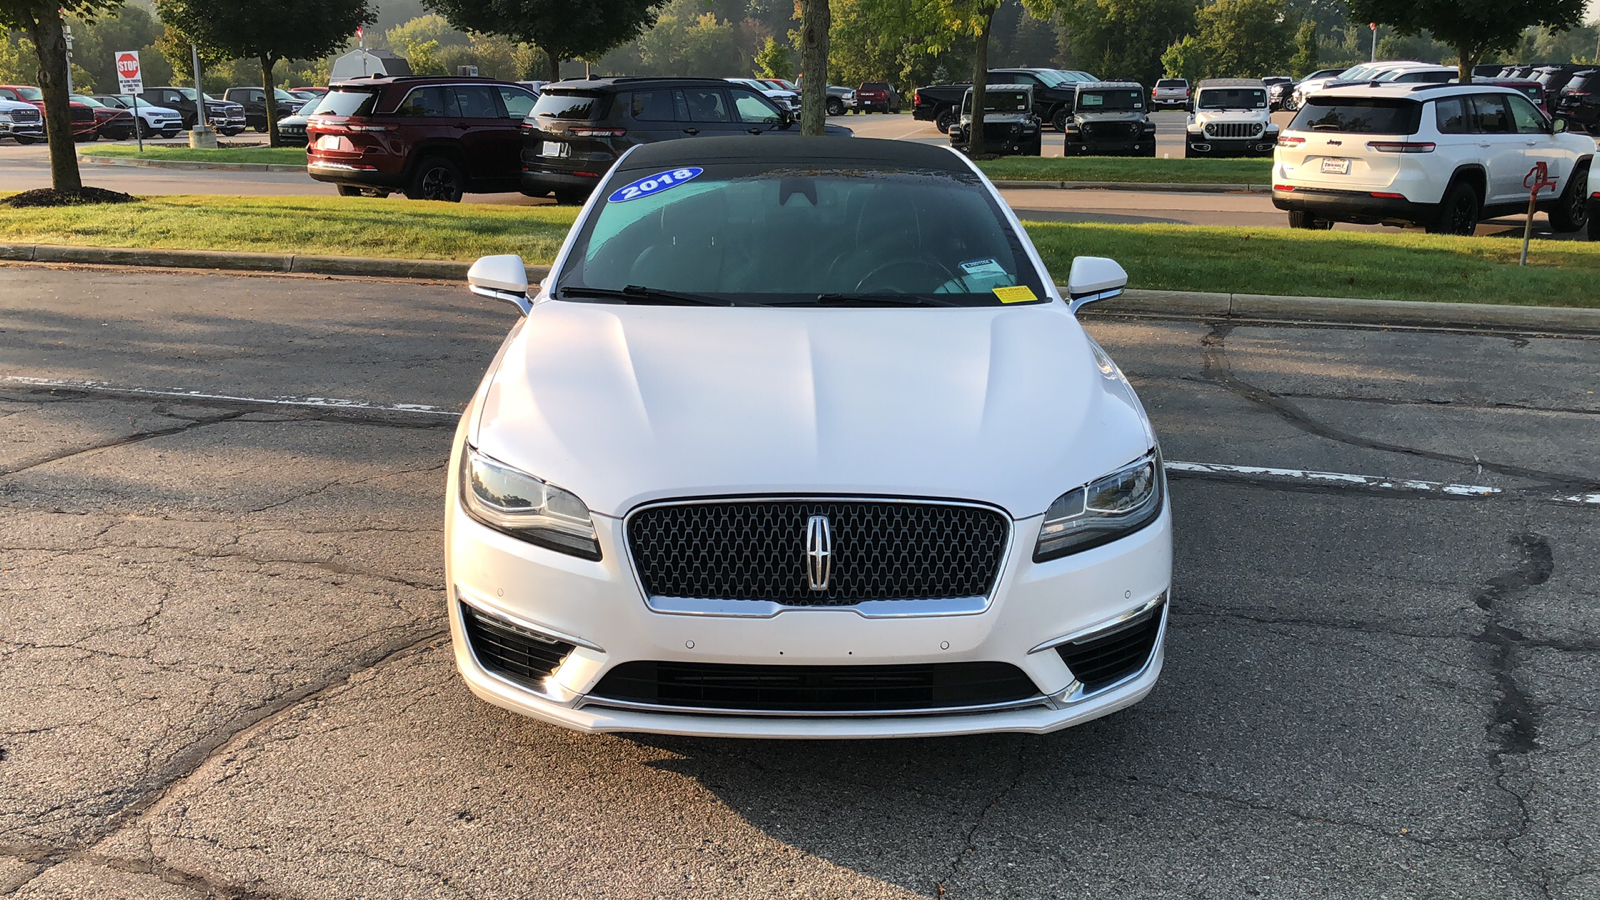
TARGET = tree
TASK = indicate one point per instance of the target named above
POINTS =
(178, 49)
(41, 21)
(95, 45)
(1125, 38)
(1244, 38)
(772, 60)
(268, 31)
(1304, 60)
(1473, 27)
(816, 20)
(563, 29)
(1185, 59)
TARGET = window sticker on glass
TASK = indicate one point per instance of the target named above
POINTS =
(1018, 294)
(1093, 100)
(983, 268)
(653, 184)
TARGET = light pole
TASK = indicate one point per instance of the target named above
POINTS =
(1374, 27)
(202, 136)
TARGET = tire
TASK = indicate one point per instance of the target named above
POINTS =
(142, 128)
(346, 190)
(1036, 148)
(1058, 120)
(571, 196)
(169, 135)
(233, 132)
(1299, 218)
(436, 179)
(835, 107)
(1458, 211)
(26, 139)
(945, 119)
(1572, 212)
(86, 137)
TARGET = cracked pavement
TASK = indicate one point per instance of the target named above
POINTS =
(228, 675)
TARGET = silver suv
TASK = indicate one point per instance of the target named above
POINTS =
(1441, 156)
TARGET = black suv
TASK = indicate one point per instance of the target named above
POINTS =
(254, 101)
(579, 128)
(1579, 101)
(1110, 119)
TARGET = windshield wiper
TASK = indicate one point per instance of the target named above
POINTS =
(635, 293)
(880, 300)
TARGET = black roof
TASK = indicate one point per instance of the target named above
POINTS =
(796, 149)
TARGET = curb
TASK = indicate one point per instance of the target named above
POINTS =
(1155, 187)
(97, 160)
(1180, 304)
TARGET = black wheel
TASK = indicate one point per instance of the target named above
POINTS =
(571, 196)
(1059, 120)
(143, 128)
(169, 135)
(1458, 211)
(1036, 148)
(436, 179)
(346, 190)
(1299, 218)
(86, 136)
(1572, 212)
(835, 106)
(944, 120)
(26, 139)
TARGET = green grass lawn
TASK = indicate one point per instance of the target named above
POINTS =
(312, 226)
(1383, 265)
(287, 156)
(1134, 170)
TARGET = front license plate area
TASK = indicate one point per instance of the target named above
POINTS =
(1336, 167)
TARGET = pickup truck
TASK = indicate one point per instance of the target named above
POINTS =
(1054, 92)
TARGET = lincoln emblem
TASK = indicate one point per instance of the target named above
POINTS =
(819, 552)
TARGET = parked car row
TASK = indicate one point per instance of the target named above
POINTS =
(1054, 92)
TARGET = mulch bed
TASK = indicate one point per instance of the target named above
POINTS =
(53, 197)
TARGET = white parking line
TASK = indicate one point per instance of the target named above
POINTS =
(311, 402)
(1341, 478)
(1254, 473)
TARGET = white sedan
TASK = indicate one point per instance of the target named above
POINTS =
(799, 439)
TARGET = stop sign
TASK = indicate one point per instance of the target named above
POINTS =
(128, 66)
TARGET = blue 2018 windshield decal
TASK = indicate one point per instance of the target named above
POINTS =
(654, 184)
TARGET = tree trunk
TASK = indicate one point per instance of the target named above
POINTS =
(553, 73)
(980, 81)
(269, 96)
(1468, 62)
(50, 43)
(815, 21)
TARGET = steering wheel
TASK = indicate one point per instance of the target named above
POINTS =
(918, 265)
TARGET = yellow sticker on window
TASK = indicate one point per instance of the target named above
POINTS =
(1018, 294)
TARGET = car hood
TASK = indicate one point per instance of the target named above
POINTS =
(625, 405)
(1131, 115)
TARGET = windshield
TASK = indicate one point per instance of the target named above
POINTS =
(283, 96)
(87, 101)
(1233, 98)
(347, 102)
(781, 233)
(1051, 77)
(30, 93)
(1121, 98)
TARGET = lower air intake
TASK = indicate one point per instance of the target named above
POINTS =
(1104, 658)
(510, 650)
(815, 689)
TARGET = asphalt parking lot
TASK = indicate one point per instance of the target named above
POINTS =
(227, 674)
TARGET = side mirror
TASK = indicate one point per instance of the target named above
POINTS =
(1094, 278)
(785, 118)
(501, 277)
(1558, 125)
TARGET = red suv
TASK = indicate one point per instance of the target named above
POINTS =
(432, 138)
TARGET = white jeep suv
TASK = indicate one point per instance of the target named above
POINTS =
(1230, 118)
(1438, 155)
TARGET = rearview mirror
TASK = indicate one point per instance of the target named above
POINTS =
(502, 277)
(1094, 278)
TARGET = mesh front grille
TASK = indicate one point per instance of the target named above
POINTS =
(511, 650)
(824, 689)
(1233, 130)
(1112, 655)
(756, 550)
(26, 115)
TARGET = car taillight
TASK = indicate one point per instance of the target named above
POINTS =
(1383, 195)
(1283, 187)
(585, 131)
(372, 127)
(1400, 146)
(1290, 141)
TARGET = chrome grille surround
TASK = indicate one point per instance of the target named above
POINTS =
(1234, 129)
(919, 556)
(27, 116)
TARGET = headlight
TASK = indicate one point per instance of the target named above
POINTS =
(1103, 510)
(526, 507)
(5, 117)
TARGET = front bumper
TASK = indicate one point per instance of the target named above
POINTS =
(1200, 145)
(1144, 145)
(599, 609)
(22, 129)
